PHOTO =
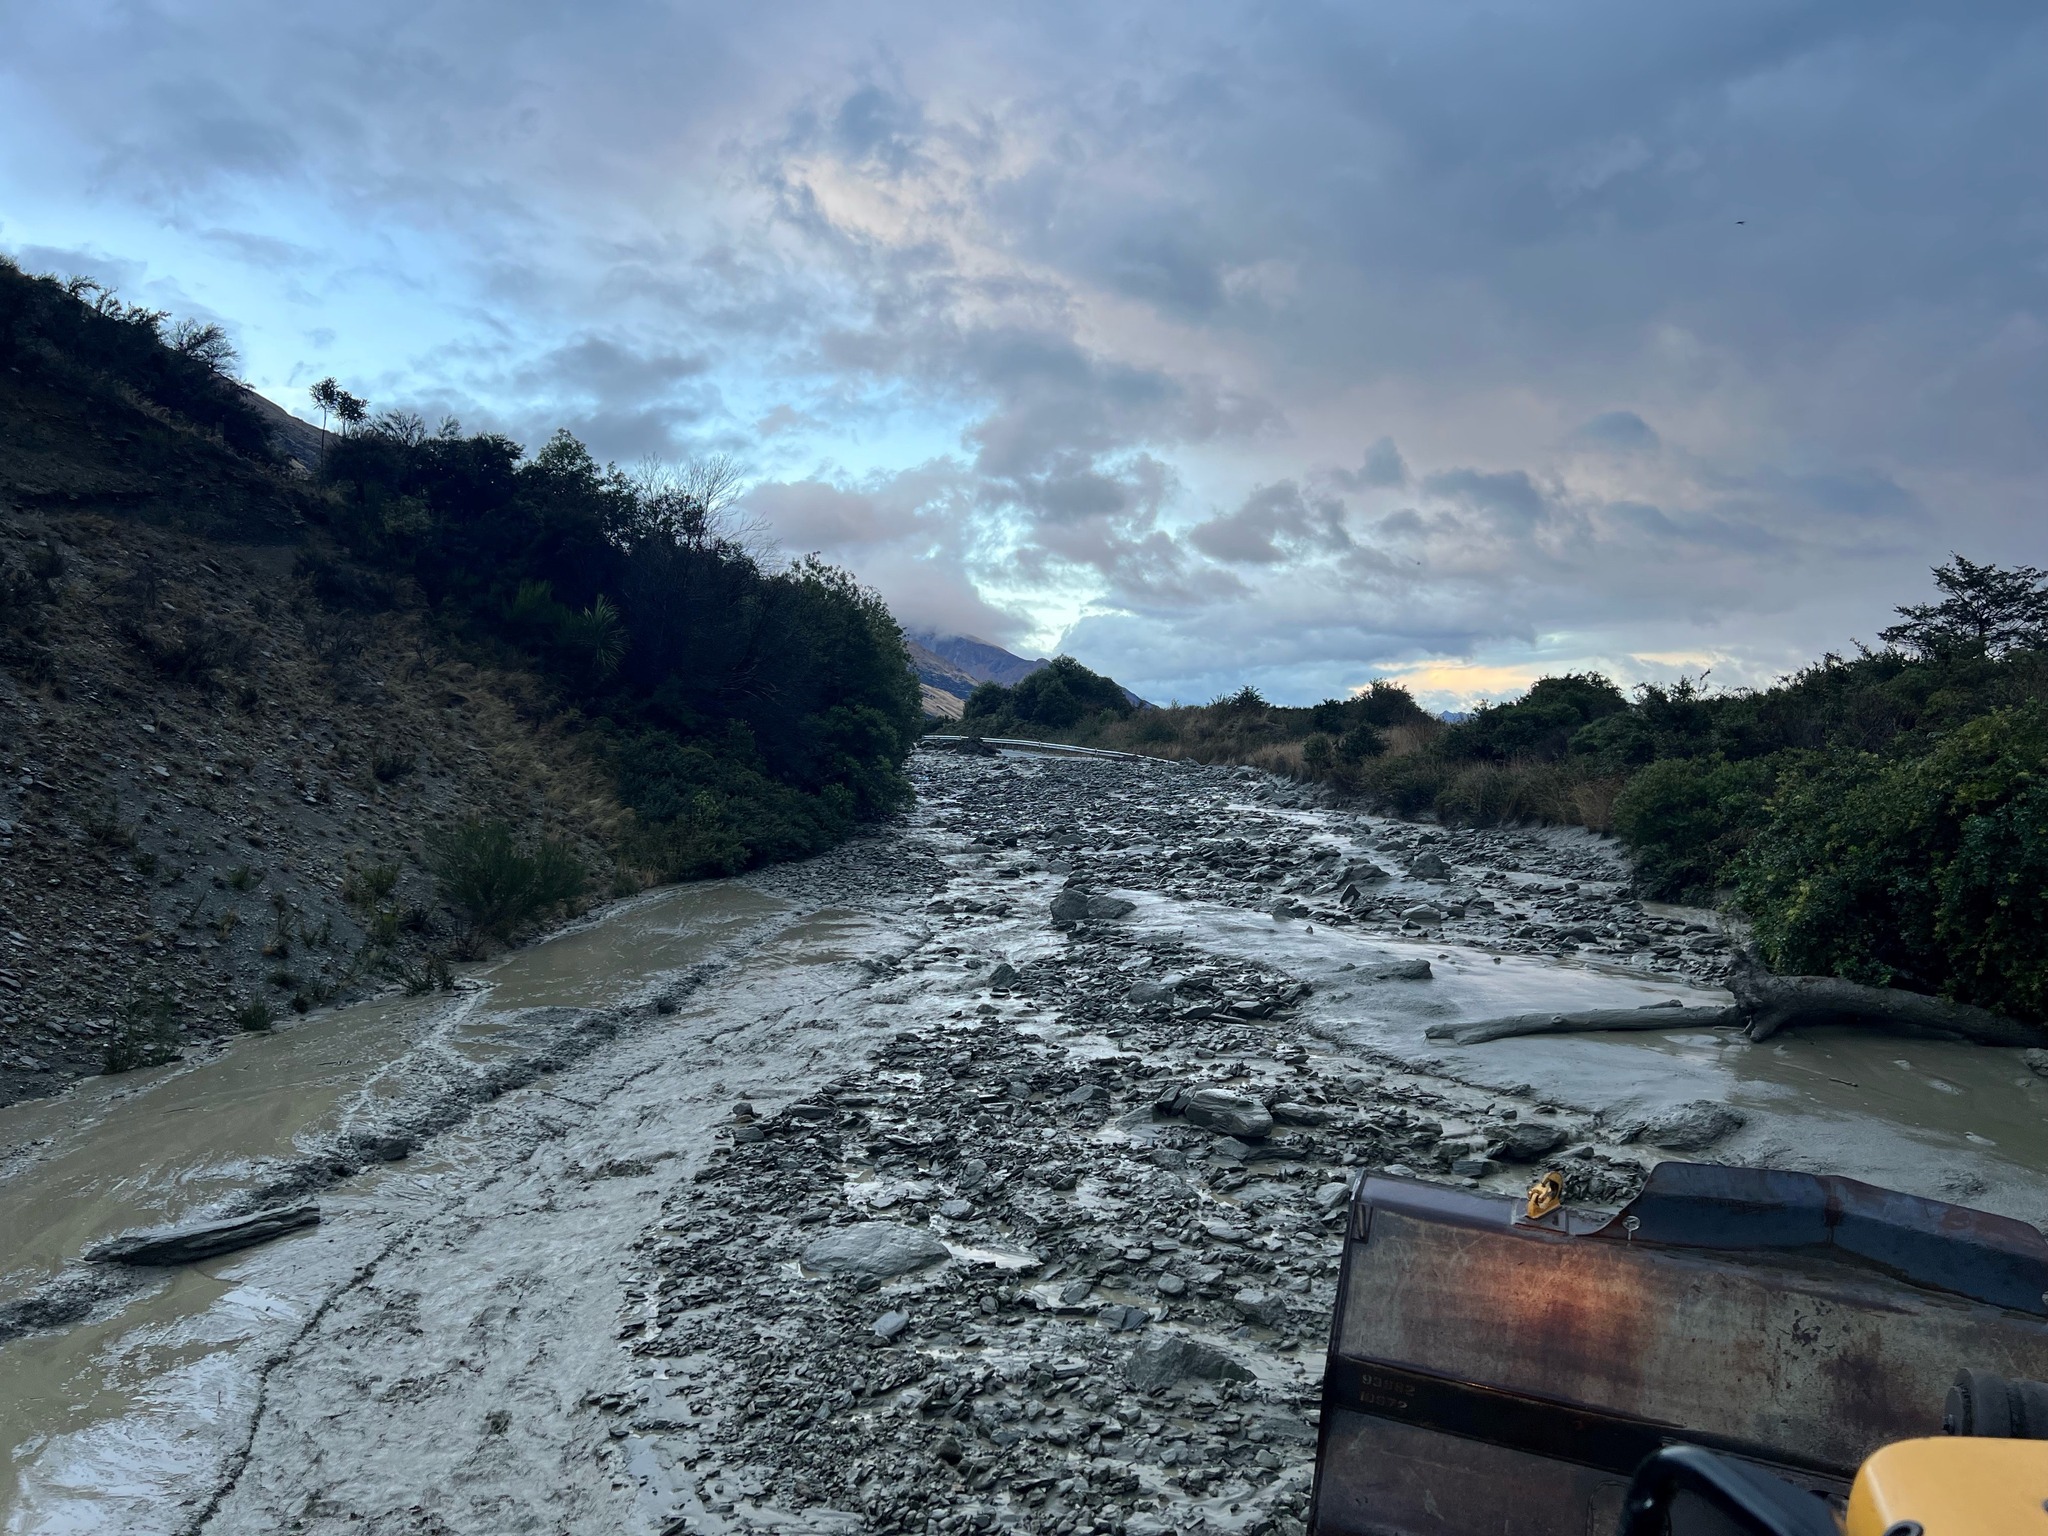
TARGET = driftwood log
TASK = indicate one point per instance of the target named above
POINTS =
(1765, 1005)
(1773, 1003)
(202, 1240)
(1586, 1021)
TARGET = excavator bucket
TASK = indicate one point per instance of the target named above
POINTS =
(1502, 1372)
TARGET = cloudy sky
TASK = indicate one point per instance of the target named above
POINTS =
(1293, 344)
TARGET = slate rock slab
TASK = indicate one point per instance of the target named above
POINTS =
(1691, 1127)
(1218, 1109)
(1165, 1358)
(1528, 1141)
(1402, 970)
(879, 1249)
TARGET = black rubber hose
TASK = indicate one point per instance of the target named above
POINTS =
(1750, 1497)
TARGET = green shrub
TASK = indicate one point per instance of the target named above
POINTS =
(146, 1035)
(495, 885)
(1929, 871)
(1057, 697)
(367, 886)
(1685, 820)
(255, 1018)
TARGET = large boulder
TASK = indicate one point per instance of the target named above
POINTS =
(1108, 908)
(1527, 1141)
(1166, 1358)
(878, 1249)
(1070, 906)
(1429, 866)
(1690, 1127)
(1233, 1114)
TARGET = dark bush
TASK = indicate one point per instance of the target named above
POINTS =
(1928, 871)
(1686, 819)
(750, 714)
(1541, 724)
(343, 587)
(1359, 743)
(189, 653)
(1057, 697)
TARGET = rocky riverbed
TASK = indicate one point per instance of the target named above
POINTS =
(987, 1173)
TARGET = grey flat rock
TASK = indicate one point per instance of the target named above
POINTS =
(1218, 1109)
(881, 1249)
(1691, 1127)
(1070, 906)
(1526, 1142)
(1165, 1358)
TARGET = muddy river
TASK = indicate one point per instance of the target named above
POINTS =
(565, 1276)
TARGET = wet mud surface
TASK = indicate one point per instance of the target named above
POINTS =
(985, 1174)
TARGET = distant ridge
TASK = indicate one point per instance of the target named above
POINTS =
(975, 659)
(935, 672)
(957, 664)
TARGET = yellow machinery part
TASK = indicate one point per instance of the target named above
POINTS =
(1953, 1485)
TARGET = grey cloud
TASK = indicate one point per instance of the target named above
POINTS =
(901, 534)
(609, 371)
(1510, 498)
(1275, 523)
(878, 124)
(1619, 431)
(1384, 468)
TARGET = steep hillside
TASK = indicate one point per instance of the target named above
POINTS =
(286, 718)
(217, 793)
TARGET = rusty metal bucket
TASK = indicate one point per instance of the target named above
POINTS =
(1489, 1372)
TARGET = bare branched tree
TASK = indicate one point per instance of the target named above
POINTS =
(693, 503)
(401, 426)
(205, 342)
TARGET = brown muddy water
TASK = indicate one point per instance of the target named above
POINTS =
(91, 1417)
